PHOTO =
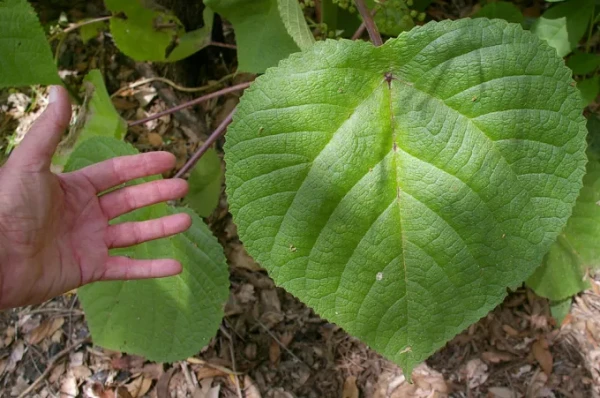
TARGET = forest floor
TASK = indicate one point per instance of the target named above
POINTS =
(269, 344)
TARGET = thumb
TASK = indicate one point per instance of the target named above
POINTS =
(35, 151)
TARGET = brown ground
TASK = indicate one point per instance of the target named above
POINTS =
(269, 345)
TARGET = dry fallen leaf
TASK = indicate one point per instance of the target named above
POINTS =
(45, 329)
(250, 389)
(139, 387)
(350, 389)
(496, 357)
(501, 392)
(542, 355)
(68, 386)
(15, 356)
(475, 373)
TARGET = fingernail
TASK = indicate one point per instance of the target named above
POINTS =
(53, 94)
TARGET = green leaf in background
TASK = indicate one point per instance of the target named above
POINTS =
(393, 16)
(560, 310)
(564, 270)
(563, 25)
(502, 10)
(91, 31)
(205, 184)
(145, 31)
(583, 63)
(293, 19)
(97, 118)
(589, 89)
(338, 19)
(262, 39)
(399, 190)
(26, 57)
(164, 319)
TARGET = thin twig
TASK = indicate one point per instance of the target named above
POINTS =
(279, 342)
(193, 102)
(78, 25)
(362, 27)
(369, 23)
(51, 364)
(172, 84)
(237, 381)
(224, 45)
(207, 144)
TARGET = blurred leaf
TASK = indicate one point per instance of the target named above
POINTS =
(97, 118)
(338, 19)
(165, 319)
(589, 89)
(393, 16)
(146, 31)
(205, 184)
(502, 10)
(583, 63)
(560, 310)
(262, 39)
(295, 23)
(26, 57)
(91, 31)
(564, 24)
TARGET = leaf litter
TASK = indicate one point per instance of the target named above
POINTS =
(280, 347)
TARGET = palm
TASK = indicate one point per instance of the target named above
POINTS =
(55, 229)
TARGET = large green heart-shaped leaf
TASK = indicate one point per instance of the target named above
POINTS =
(164, 319)
(399, 190)
(26, 57)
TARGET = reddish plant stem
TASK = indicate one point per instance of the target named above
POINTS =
(219, 131)
(362, 27)
(369, 23)
(224, 45)
(193, 102)
(318, 11)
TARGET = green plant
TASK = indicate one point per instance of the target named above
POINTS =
(399, 190)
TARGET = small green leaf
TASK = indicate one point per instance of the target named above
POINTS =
(563, 25)
(502, 10)
(91, 31)
(166, 319)
(399, 190)
(26, 57)
(560, 310)
(146, 31)
(205, 184)
(564, 270)
(393, 16)
(589, 89)
(262, 39)
(97, 118)
(293, 19)
(196, 40)
(583, 63)
(338, 19)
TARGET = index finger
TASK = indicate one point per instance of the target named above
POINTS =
(116, 171)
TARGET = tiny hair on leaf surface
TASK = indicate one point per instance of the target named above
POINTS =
(400, 190)
(165, 319)
(26, 56)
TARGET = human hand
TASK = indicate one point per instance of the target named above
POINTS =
(54, 228)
